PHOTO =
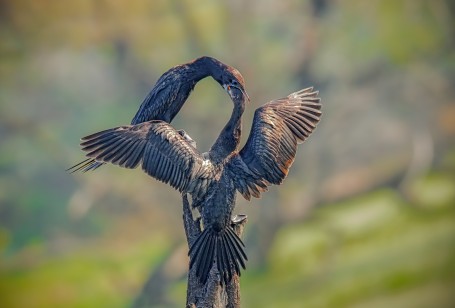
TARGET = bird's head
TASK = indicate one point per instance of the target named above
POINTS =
(232, 81)
(227, 76)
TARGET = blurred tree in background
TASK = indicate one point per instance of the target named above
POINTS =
(366, 217)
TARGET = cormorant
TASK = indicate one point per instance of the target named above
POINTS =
(213, 178)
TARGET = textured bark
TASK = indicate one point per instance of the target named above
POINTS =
(212, 294)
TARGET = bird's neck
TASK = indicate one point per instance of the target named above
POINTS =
(201, 68)
(229, 138)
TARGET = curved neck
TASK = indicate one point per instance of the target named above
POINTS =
(229, 138)
(202, 67)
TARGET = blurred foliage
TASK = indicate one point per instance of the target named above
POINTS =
(365, 218)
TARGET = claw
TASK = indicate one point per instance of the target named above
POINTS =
(238, 219)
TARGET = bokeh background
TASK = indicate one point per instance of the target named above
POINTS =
(366, 217)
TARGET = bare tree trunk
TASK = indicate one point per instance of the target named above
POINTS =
(212, 294)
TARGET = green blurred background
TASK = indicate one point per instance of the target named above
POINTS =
(366, 217)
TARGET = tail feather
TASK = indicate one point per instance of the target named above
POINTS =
(237, 247)
(224, 261)
(224, 248)
(196, 247)
(235, 254)
(238, 242)
(219, 256)
(206, 259)
(228, 255)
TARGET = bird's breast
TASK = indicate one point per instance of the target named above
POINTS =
(217, 207)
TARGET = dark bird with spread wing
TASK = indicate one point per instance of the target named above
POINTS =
(212, 178)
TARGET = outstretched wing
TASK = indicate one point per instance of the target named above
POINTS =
(278, 127)
(163, 102)
(162, 151)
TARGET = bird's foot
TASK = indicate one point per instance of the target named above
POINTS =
(238, 223)
(238, 219)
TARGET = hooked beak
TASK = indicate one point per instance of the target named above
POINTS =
(228, 87)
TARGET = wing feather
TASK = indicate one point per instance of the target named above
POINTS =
(278, 127)
(162, 151)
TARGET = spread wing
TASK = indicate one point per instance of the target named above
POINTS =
(278, 127)
(163, 102)
(163, 153)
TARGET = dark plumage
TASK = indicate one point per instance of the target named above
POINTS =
(213, 178)
(171, 91)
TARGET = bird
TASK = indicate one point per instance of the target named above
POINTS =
(170, 92)
(213, 178)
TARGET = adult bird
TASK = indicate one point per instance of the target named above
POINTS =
(172, 90)
(212, 178)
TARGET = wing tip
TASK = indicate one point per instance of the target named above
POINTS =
(306, 93)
